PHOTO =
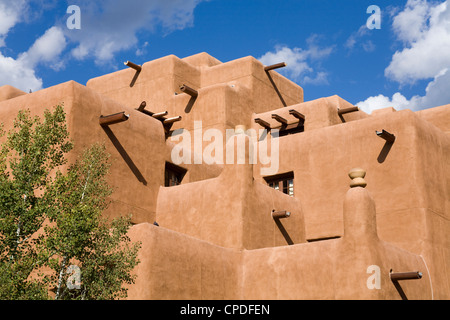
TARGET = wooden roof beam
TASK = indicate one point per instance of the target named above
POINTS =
(395, 276)
(142, 106)
(160, 115)
(113, 118)
(172, 120)
(389, 137)
(280, 119)
(297, 114)
(347, 110)
(275, 66)
(133, 66)
(186, 89)
(263, 123)
(280, 214)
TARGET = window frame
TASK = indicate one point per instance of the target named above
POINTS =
(171, 168)
(278, 181)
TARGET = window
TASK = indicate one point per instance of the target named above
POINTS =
(173, 175)
(283, 182)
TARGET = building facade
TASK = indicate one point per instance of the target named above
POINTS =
(240, 189)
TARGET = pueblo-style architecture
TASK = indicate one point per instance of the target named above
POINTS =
(323, 201)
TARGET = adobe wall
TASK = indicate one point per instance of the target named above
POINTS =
(228, 92)
(177, 266)
(319, 113)
(395, 170)
(437, 116)
(232, 210)
(409, 179)
(133, 159)
(8, 92)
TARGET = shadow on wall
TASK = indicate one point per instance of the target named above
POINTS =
(276, 88)
(123, 153)
(283, 231)
(385, 151)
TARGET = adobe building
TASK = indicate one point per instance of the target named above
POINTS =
(349, 206)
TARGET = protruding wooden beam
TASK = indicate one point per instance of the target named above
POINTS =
(275, 66)
(297, 114)
(280, 119)
(263, 123)
(142, 106)
(396, 276)
(171, 120)
(160, 115)
(133, 66)
(113, 118)
(347, 110)
(389, 137)
(280, 214)
(189, 90)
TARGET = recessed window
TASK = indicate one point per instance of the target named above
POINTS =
(173, 175)
(283, 182)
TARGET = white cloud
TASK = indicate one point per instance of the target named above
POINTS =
(20, 72)
(424, 28)
(294, 58)
(410, 24)
(16, 74)
(298, 62)
(398, 101)
(10, 14)
(110, 26)
(437, 93)
(107, 27)
(46, 49)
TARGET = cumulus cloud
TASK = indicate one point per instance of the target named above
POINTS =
(45, 49)
(107, 27)
(110, 26)
(10, 15)
(299, 61)
(16, 74)
(20, 72)
(410, 24)
(424, 30)
(437, 93)
(12, 71)
(398, 101)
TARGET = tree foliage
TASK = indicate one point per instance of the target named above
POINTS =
(51, 225)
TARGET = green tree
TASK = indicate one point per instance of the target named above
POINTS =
(80, 235)
(33, 148)
(50, 220)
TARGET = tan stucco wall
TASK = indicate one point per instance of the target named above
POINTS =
(333, 269)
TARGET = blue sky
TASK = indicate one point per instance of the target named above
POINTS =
(327, 45)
